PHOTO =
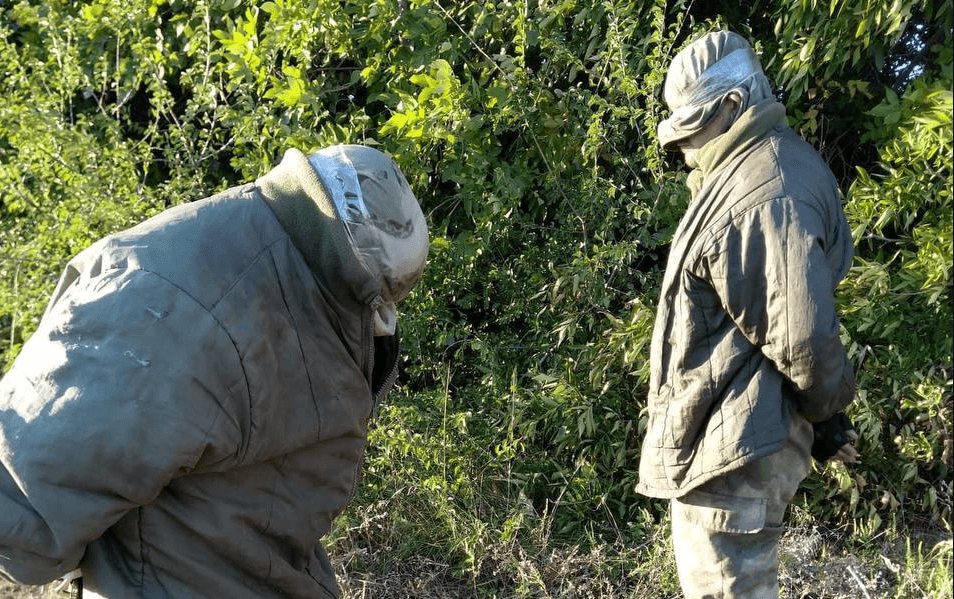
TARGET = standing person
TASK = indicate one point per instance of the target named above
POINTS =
(192, 412)
(747, 365)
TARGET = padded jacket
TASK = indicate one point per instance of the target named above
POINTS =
(746, 328)
(193, 409)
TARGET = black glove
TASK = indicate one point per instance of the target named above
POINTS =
(830, 436)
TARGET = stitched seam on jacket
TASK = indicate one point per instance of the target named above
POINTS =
(717, 233)
(142, 548)
(238, 357)
(301, 348)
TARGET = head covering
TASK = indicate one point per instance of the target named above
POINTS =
(701, 75)
(385, 224)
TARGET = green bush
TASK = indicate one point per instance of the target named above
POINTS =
(897, 305)
(528, 131)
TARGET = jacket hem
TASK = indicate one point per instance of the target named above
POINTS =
(676, 491)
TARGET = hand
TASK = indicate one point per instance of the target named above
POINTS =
(847, 452)
(834, 439)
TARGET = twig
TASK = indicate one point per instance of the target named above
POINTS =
(861, 584)
(523, 113)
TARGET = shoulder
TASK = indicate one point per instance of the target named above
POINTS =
(202, 248)
(800, 170)
(781, 170)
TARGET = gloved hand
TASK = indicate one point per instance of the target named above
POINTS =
(834, 438)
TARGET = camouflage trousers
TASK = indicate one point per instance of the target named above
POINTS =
(725, 533)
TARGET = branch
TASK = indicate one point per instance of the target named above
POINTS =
(861, 584)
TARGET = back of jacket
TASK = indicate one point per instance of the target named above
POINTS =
(746, 327)
(190, 415)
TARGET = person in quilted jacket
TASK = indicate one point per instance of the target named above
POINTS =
(192, 412)
(749, 376)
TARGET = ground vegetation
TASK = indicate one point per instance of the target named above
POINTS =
(504, 462)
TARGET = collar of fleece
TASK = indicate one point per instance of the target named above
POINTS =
(303, 205)
(750, 128)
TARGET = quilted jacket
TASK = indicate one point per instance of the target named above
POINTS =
(193, 409)
(746, 327)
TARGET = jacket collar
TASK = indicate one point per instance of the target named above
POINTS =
(303, 206)
(751, 126)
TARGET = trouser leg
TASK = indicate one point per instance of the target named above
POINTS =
(722, 565)
(725, 533)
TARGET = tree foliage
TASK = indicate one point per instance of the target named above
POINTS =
(528, 131)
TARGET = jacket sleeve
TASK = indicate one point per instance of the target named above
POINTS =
(772, 269)
(124, 386)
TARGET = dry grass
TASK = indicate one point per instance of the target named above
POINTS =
(8, 590)
(563, 574)
(815, 564)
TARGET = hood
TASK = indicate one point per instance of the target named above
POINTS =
(351, 213)
(701, 75)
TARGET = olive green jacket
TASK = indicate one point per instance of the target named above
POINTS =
(193, 409)
(746, 327)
